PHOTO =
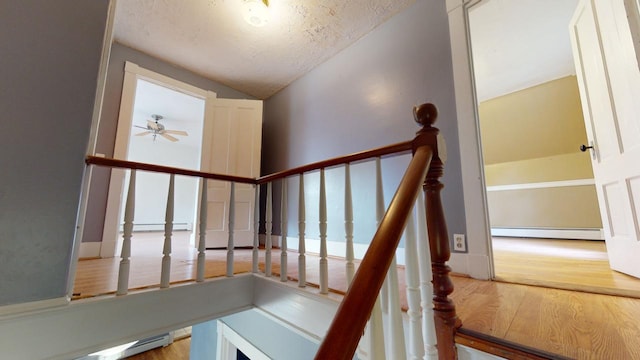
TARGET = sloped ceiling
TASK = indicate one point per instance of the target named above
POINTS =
(211, 38)
(517, 44)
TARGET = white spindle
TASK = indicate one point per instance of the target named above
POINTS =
(426, 287)
(324, 266)
(168, 230)
(232, 219)
(129, 210)
(256, 227)
(384, 291)
(376, 327)
(283, 231)
(416, 343)
(202, 240)
(397, 348)
(376, 333)
(268, 226)
(348, 224)
(302, 260)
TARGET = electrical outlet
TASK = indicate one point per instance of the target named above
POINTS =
(459, 245)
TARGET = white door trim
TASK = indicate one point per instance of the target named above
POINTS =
(478, 262)
(111, 242)
(229, 341)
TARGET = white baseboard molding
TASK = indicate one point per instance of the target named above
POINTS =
(339, 249)
(159, 227)
(90, 249)
(16, 309)
(578, 234)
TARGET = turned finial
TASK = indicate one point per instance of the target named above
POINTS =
(425, 114)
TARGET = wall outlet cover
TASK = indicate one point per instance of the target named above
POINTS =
(459, 243)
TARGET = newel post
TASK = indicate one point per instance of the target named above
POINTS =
(446, 320)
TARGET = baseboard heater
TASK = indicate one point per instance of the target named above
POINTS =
(140, 346)
(550, 233)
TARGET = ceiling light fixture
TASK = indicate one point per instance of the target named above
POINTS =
(256, 12)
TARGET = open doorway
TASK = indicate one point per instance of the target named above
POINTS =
(161, 122)
(542, 203)
(167, 130)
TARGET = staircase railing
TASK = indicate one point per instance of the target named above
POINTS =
(424, 170)
(361, 302)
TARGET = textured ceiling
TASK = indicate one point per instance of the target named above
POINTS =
(520, 43)
(211, 38)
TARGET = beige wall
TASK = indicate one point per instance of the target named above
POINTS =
(540, 121)
(533, 136)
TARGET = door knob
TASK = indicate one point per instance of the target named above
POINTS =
(584, 148)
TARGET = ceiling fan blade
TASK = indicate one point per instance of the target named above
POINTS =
(152, 125)
(143, 133)
(176, 132)
(141, 127)
(169, 137)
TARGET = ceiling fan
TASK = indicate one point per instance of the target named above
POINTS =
(155, 128)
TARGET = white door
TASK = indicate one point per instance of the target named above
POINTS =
(231, 146)
(609, 81)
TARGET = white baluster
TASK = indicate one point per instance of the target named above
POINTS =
(256, 227)
(302, 259)
(416, 343)
(380, 210)
(375, 328)
(426, 287)
(283, 231)
(202, 240)
(376, 333)
(168, 230)
(268, 226)
(324, 266)
(397, 348)
(232, 219)
(129, 210)
(348, 224)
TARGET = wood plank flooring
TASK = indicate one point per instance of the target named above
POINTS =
(566, 264)
(574, 324)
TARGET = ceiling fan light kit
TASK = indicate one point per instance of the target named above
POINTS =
(155, 128)
(256, 12)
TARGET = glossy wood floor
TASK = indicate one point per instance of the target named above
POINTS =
(566, 264)
(574, 324)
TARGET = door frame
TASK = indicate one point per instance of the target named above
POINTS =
(478, 261)
(111, 241)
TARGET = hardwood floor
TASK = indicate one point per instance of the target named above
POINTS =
(178, 350)
(566, 264)
(573, 324)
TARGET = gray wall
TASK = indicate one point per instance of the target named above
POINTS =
(48, 71)
(94, 221)
(360, 99)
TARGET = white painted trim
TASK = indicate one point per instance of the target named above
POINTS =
(229, 341)
(112, 243)
(581, 234)
(164, 81)
(107, 40)
(28, 307)
(542, 185)
(339, 249)
(473, 180)
(90, 249)
(85, 326)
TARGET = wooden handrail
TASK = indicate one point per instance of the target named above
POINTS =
(352, 315)
(123, 164)
(425, 169)
(393, 149)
